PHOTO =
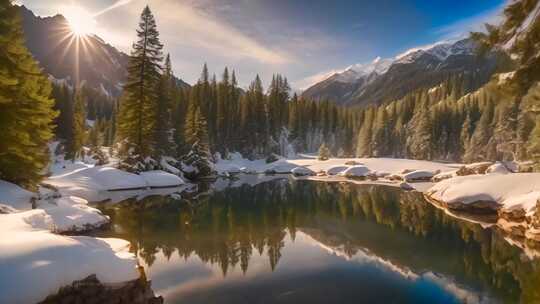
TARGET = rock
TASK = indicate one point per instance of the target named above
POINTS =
(352, 163)
(442, 176)
(302, 171)
(405, 186)
(475, 168)
(335, 170)
(91, 291)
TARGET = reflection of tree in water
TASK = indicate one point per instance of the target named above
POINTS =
(228, 227)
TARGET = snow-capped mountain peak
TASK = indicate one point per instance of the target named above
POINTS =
(441, 51)
(378, 66)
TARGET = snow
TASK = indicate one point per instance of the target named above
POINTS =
(506, 190)
(14, 197)
(497, 168)
(526, 202)
(280, 166)
(504, 77)
(334, 170)
(356, 171)
(71, 214)
(302, 171)
(418, 175)
(158, 179)
(164, 163)
(94, 183)
(35, 262)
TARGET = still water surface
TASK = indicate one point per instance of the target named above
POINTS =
(288, 241)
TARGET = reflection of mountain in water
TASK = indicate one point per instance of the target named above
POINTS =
(227, 228)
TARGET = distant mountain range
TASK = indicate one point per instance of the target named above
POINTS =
(92, 62)
(388, 79)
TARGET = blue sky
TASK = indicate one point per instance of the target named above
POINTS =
(305, 40)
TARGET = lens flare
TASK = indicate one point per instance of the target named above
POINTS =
(80, 21)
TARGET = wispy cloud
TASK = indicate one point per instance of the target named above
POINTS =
(463, 27)
(115, 5)
(183, 24)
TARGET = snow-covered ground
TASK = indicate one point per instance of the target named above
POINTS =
(34, 255)
(34, 262)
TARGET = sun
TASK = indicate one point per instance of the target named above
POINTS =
(81, 22)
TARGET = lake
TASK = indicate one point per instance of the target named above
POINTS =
(290, 241)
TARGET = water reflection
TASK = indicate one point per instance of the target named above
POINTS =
(291, 241)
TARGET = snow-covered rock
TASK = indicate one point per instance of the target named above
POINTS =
(280, 167)
(13, 197)
(405, 186)
(35, 263)
(474, 168)
(230, 170)
(161, 179)
(71, 214)
(444, 175)
(334, 170)
(418, 176)
(302, 171)
(497, 168)
(489, 192)
(356, 172)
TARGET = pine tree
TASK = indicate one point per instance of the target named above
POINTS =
(533, 146)
(26, 109)
(136, 121)
(163, 137)
(420, 141)
(478, 147)
(74, 144)
(324, 152)
(363, 146)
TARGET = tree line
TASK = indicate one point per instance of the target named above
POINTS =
(157, 123)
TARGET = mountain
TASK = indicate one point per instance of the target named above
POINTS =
(66, 59)
(388, 79)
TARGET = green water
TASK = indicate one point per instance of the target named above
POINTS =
(287, 241)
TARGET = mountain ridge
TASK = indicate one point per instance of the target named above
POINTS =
(93, 63)
(403, 74)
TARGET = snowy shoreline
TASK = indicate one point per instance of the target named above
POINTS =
(496, 191)
(36, 240)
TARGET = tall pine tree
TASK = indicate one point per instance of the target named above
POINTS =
(26, 109)
(137, 117)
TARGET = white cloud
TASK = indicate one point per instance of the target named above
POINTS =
(181, 24)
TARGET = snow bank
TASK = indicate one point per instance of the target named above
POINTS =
(14, 197)
(35, 262)
(71, 214)
(280, 167)
(418, 176)
(94, 183)
(160, 179)
(501, 190)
